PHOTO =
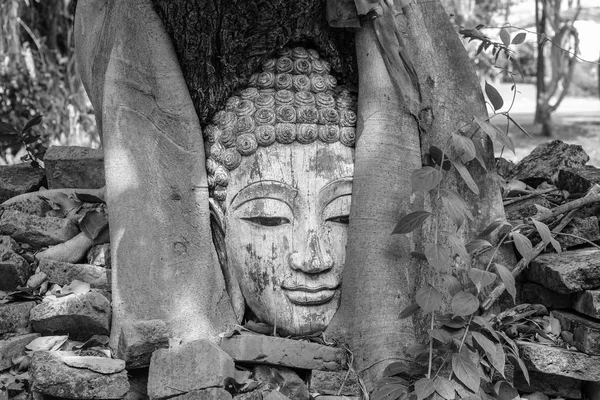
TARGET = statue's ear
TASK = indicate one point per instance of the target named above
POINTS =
(218, 227)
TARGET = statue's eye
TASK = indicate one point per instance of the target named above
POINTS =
(342, 219)
(268, 221)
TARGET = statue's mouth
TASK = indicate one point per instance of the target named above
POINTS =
(309, 296)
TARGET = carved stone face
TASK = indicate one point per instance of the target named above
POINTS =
(286, 217)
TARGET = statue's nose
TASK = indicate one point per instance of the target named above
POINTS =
(312, 259)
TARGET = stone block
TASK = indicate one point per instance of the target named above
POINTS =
(99, 255)
(205, 394)
(36, 231)
(14, 346)
(536, 294)
(14, 271)
(586, 332)
(567, 272)
(139, 339)
(78, 315)
(552, 385)
(526, 208)
(51, 376)
(330, 382)
(588, 303)
(584, 228)
(257, 349)
(195, 365)
(275, 395)
(14, 317)
(31, 205)
(559, 361)
(18, 179)
(288, 381)
(74, 167)
(578, 180)
(8, 245)
(64, 273)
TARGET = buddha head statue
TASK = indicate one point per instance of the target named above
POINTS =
(280, 167)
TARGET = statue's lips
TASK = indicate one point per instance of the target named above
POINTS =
(309, 296)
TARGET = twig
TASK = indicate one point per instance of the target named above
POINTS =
(350, 362)
(528, 196)
(572, 205)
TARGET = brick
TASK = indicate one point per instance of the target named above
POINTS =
(139, 339)
(36, 231)
(14, 317)
(588, 303)
(559, 361)
(536, 294)
(74, 167)
(18, 179)
(285, 352)
(567, 272)
(64, 273)
(195, 365)
(586, 332)
(14, 346)
(552, 385)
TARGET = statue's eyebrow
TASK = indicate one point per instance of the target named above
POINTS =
(335, 189)
(265, 190)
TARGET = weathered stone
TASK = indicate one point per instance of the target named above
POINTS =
(286, 352)
(535, 396)
(585, 228)
(544, 162)
(525, 208)
(37, 231)
(195, 365)
(578, 180)
(30, 205)
(559, 361)
(586, 332)
(289, 382)
(552, 385)
(51, 376)
(14, 317)
(78, 315)
(536, 294)
(8, 244)
(13, 346)
(138, 384)
(139, 339)
(103, 365)
(99, 255)
(275, 395)
(588, 303)
(205, 394)
(74, 167)
(18, 179)
(567, 272)
(64, 273)
(14, 271)
(503, 166)
(330, 382)
(591, 390)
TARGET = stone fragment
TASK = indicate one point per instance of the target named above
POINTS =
(14, 317)
(503, 166)
(195, 365)
(330, 382)
(285, 352)
(30, 205)
(535, 396)
(51, 376)
(584, 228)
(275, 395)
(74, 167)
(586, 332)
(567, 272)
(78, 315)
(525, 208)
(18, 179)
(14, 271)
(99, 255)
(64, 273)
(139, 339)
(8, 244)
(544, 162)
(588, 303)
(287, 380)
(12, 347)
(559, 361)
(205, 394)
(552, 385)
(36, 231)
(533, 293)
(102, 365)
(578, 180)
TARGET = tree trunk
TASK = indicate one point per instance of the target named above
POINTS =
(541, 114)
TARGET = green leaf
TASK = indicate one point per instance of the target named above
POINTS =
(458, 247)
(515, 123)
(452, 284)
(464, 303)
(493, 96)
(464, 147)
(486, 127)
(411, 222)
(437, 256)
(508, 279)
(440, 335)
(493, 351)
(477, 244)
(546, 236)
(397, 368)
(424, 388)
(455, 206)
(485, 323)
(450, 321)
(88, 198)
(493, 226)
(464, 173)
(519, 38)
(31, 123)
(7, 129)
(523, 245)
(425, 179)
(429, 299)
(436, 155)
(522, 366)
(505, 37)
(481, 278)
(408, 311)
(466, 371)
(388, 391)
(505, 391)
(505, 141)
(444, 388)
(92, 223)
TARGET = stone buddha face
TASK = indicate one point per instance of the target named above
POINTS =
(281, 194)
